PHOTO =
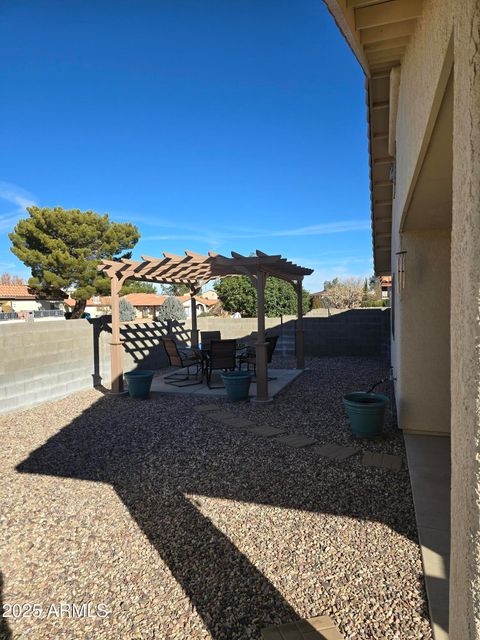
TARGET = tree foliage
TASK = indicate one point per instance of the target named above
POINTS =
(328, 284)
(9, 279)
(127, 310)
(175, 289)
(237, 293)
(171, 309)
(345, 294)
(132, 286)
(63, 247)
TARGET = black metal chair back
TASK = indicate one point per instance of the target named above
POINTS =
(222, 354)
(207, 336)
(171, 350)
(271, 344)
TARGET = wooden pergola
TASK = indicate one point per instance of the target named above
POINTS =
(195, 270)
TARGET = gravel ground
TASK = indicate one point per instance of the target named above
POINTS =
(185, 529)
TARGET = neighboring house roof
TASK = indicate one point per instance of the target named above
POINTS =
(145, 299)
(139, 300)
(24, 292)
(16, 292)
(210, 294)
(97, 301)
(386, 281)
(205, 301)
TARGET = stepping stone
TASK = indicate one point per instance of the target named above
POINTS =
(266, 432)
(336, 452)
(296, 440)
(220, 416)
(205, 408)
(319, 628)
(382, 460)
(238, 423)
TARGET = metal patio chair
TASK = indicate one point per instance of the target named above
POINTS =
(221, 355)
(207, 336)
(181, 359)
(250, 357)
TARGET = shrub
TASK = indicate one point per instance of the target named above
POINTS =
(127, 310)
(376, 303)
(171, 309)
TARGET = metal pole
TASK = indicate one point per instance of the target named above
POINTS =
(194, 331)
(261, 347)
(299, 334)
(116, 349)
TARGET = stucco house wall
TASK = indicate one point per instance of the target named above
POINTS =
(424, 322)
(417, 348)
(465, 323)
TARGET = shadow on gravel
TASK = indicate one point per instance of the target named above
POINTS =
(155, 458)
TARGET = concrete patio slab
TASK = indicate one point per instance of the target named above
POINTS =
(429, 467)
(336, 452)
(382, 460)
(318, 628)
(296, 440)
(283, 377)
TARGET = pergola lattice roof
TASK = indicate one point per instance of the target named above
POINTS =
(194, 268)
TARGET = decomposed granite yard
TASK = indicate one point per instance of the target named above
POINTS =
(171, 524)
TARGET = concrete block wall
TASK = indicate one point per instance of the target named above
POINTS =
(355, 332)
(42, 361)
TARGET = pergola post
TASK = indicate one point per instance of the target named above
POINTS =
(299, 333)
(261, 347)
(193, 307)
(116, 349)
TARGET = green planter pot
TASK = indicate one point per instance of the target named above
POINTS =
(366, 412)
(237, 384)
(139, 383)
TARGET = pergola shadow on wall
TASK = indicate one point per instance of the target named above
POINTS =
(195, 270)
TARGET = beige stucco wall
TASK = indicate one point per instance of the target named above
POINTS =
(465, 322)
(417, 334)
(30, 305)
(424, 322)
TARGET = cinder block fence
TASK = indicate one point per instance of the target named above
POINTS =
(42, 361)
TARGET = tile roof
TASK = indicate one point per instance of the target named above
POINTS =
(145, 299)
(139, 300)
(200, 299)
(22, 292)
(100, 301)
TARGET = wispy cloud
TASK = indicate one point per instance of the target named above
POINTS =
(325, 229)
(217, 236)
(16, 196)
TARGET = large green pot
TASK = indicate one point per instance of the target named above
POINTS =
(237, 384)
(139, 383)
(366, 412)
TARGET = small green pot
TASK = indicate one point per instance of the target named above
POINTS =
(366, 412)
(237, 384)
(139, 383)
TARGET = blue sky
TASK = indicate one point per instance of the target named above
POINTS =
(221, 124)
